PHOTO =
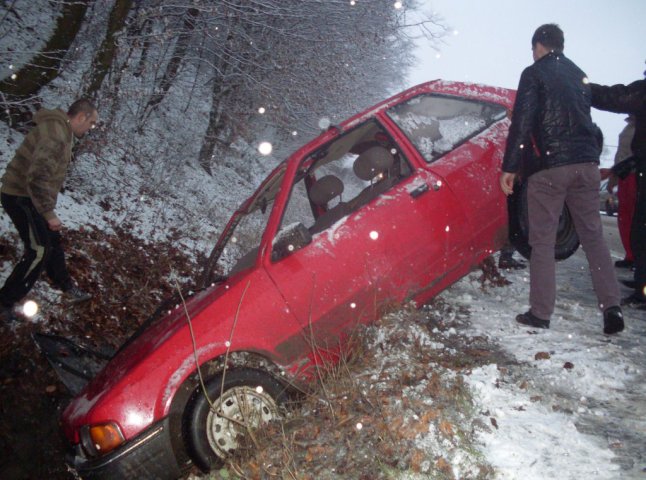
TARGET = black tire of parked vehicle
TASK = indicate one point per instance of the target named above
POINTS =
(610, 209)
(567, 240)
(242, 396)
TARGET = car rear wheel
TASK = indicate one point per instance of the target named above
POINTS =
(610, 209)
(567, 240)
(241, 401)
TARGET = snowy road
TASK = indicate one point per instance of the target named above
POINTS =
(577, 408)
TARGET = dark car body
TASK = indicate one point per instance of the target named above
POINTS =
(393, 205)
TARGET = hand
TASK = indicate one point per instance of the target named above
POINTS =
(507, 182)
(612, 183)
(54, 224)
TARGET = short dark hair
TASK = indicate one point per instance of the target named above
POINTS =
(550, 36)
(81, 105)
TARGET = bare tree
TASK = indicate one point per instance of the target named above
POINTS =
(176, 58)
(44, 66)
(107, 51)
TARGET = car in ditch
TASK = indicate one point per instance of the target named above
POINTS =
(393, 205)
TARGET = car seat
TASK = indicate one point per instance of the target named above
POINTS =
(373, 166)
(325, 190)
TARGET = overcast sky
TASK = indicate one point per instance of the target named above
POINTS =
(492, 43)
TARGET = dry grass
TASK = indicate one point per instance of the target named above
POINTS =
(397, 408)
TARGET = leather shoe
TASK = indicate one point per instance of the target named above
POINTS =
(613, 320)
(528, 318)
(630, 283)
(636, 300)
(7, 315)
(510, 264)
(624, 263)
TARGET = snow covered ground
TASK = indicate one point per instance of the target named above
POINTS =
(573, 407)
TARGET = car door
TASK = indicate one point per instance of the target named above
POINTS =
(471, 171)
(325, 285)
(417, 248)
(395, 245)
(461, 141)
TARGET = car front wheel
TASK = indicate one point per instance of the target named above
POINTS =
(567, 240)
(239, 402)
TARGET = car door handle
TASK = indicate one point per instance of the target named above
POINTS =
(423, 188)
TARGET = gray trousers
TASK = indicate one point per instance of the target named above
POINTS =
(578, 187)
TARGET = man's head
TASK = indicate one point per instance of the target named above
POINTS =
(82, 116)
(547, 38)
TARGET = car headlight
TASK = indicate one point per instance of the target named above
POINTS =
(101, 438)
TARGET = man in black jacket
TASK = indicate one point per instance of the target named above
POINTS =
(552, 116)
(632, 99)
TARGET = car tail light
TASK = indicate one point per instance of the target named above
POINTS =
(101, 438)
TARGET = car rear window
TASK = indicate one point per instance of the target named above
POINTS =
(436, 124)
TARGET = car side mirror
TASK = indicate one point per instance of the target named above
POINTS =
(289, 240)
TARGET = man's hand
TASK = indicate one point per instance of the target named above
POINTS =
(612, 183)
(507, 182)
(54, 224)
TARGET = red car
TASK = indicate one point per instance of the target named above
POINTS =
(394, 204)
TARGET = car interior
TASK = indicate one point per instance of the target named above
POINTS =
(343, 176)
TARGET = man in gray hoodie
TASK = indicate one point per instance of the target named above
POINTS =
(28, 194)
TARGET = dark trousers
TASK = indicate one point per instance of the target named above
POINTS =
(42, 250)
(638, 228)
(547, 191)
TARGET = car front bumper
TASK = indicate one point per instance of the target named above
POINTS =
(149, 455)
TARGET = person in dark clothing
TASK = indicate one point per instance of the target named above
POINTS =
(626, 192)
(30, 187)
(551, 116)
(631, 99)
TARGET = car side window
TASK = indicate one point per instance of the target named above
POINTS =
(341, 177)
(437, 124)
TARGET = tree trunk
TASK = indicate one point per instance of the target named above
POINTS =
(108, 50)
(44, 67)
(181, 46)
(213, 129)
(218, 91)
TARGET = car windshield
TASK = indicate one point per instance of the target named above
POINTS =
(437, 124)
(237, 247)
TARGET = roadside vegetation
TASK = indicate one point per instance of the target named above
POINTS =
(396, 408)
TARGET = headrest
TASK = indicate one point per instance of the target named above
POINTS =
(325, 189)
(372, 162)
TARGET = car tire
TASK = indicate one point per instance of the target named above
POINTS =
(242, 393)
(567, 240)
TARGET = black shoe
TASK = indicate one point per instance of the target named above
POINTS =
(510, 264)
(624, 263)
(613, 320)
(636, 300)
(630, 283)
(7, 315)
(74, 294)
(528, 318)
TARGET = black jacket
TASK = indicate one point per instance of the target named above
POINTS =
(625, 99)
(552, 117)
